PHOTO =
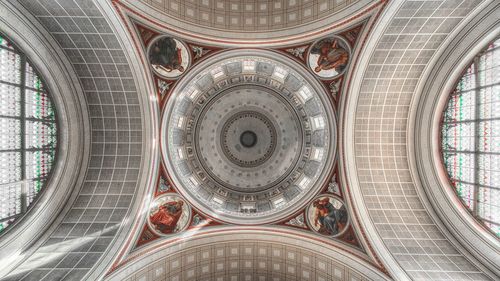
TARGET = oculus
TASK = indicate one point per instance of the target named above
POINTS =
(248, 139)
(168, 57)
(249, 136)
(328, 57)
(169, 214)
(327, 215)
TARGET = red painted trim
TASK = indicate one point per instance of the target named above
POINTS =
(363, 232)
(268, 41)
(137, 47)
(332, 104)
(274, 231)
(118, 5)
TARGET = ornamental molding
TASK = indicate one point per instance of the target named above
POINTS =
(468, 235)
(73, 154)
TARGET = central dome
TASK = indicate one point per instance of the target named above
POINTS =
(249, 136)
(249, 125)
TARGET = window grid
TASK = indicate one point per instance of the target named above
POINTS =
(471, 137)
(28, 134)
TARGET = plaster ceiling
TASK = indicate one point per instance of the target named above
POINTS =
(93, 228)
(238, 22)
(247, 255)
(248, 15)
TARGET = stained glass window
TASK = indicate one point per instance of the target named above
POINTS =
(471, 137)
(28, 134)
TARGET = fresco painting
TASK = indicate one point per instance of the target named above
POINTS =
(327, 215)
(329, 57)
(168, 215)
(169, 57)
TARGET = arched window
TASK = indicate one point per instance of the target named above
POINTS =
(471, 137)
(28, 134)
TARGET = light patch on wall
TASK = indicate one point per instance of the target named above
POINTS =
(318, 122)
(303, 182)
(180, 151)
(279, 202)
(218, 200)
(192, 93)
(194, 181)
(304, 94)
(317, 153)
(217, 73)
(249, 66)
(180, 123)
(280, 73)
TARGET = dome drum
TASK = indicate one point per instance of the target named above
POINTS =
(249, 136)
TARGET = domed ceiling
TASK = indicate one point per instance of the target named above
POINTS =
(235, 22)
(248, 15)
(248, 136)
(222, 137)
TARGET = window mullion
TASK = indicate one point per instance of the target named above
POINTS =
(469, 137)
(29, 156)
(24, 184)
(475, 120)
(477, 143)
(471, 152)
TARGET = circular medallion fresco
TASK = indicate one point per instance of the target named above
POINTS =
(168, 57)
(327, 215)
(328, 57)
(247, 137)
(169, 214)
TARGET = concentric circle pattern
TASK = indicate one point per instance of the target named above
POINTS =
(248, 136)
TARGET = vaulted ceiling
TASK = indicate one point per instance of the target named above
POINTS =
(102, 229)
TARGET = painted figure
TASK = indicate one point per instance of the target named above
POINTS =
(329, 219)
(166, 55)
(331, 55)
(167, 216)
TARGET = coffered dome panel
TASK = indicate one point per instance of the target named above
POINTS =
(248, 136)
(248, 15)
(257, 23)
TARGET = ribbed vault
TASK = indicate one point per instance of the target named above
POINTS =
(239, 21)
(375, 122)
(249, 15)
(89, 231)
(242, 253)
(400, 231)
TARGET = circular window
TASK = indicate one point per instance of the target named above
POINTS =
(470, 137)
(28, 134)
